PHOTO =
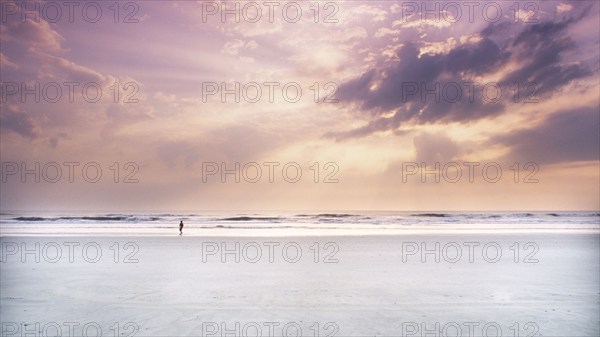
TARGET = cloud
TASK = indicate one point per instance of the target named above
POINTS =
(375, 13)
(171, 152)
(384, 31)
(570, 135)
(5, 62)
(35, 35)
(388, 90)
(421, 23)
(563, 7)
(235, 46)
(230, 144)
(53, 141)
(395, 92)
(539, 48)
(232, 47)
(57, 66)
(12, 119)
(432, 148)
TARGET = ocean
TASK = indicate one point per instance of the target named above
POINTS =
(283, 223)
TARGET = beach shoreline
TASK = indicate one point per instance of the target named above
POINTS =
(375, 285)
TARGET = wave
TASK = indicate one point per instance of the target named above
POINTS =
(583, 214)
(29, 218)
(428, 219)
(432, 215)
(89, 218)
(95, 218)
(334, 215)
(326, 215)
(250, 218)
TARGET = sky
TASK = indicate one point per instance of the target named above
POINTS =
(328, 105)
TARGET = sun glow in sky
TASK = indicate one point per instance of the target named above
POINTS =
(308, 105)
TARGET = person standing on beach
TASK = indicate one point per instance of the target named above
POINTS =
(180, 227)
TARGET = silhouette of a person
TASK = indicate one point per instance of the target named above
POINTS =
(180, 227)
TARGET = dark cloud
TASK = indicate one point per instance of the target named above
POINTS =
(539, 49)
(402, 88)
(572, 135)
(387, 93)
(480, 58)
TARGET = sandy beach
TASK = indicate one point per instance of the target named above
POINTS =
(510, 284)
